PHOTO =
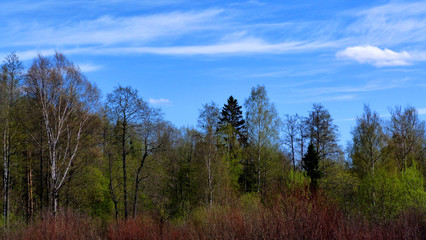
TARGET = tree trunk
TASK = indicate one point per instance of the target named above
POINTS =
(111, 187)
(123, 156)
(138, 179)
(6, 175)
(135, 199)
(258, 169)
(41, 174)
(30, 203)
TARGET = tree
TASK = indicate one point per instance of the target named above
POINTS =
(233, 131)
(369, 141)
(291, 131)
(10, 82)
(181, 170)
(407, 135)
(153, 132)
(262, 126)
(66, 102)
(124, 109)
(231, 114)
(208, 121)
(310, 163)
(323, 135)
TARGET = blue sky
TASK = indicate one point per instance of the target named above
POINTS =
(181, 54)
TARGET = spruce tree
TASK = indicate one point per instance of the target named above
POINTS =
(232, 115)
(310, 163)
(233, 131)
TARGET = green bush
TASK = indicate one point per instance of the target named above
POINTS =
(384, 195)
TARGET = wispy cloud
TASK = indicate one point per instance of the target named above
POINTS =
(214, 31)
(242, 46)
(88, 67)
(421, 111)
(107, 30)
(376, 56)
(370, 86)
(390, 24)
(31, 54)
(342, 93)
(320, 98)
(160, 101)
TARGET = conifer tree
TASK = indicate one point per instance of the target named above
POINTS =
(232, 115)
(233, 130)
(310, 163)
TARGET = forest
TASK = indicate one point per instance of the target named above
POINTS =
(78, 166)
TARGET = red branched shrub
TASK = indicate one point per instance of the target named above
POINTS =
(291, 215)
(145, 227)
(66, 225)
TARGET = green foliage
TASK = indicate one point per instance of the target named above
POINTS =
(95, 195)
(385, 194)
(250, 202)
(297, 180)
(412, 188)
(369, 141)
(341, 185)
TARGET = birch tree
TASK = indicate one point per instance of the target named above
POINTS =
(262, 124)
(369, 141)
(66, 101)
(208, 121)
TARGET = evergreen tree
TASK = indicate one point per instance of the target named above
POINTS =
(232, 115)
(233, 131)
(310, 163)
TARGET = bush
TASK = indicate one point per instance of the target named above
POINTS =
(67, 225)
(384, 195)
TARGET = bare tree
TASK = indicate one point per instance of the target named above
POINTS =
(66, 101)
(290, 130)
(407, 134)
(302, 135)
(124, 108)
(323, 135)
(153, 133)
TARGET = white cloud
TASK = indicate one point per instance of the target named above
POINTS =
(107, 30)
(89, 67)
(160, 101)
(390, 24)
(376, 56)
(421, 111)
(243, 46)
(31, 54)
(239, 47)
(370, 86)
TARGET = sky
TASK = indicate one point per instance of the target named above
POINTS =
(182, 54)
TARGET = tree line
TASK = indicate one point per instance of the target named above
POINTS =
(62, 147)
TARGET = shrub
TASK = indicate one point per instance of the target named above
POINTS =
(66, 225)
